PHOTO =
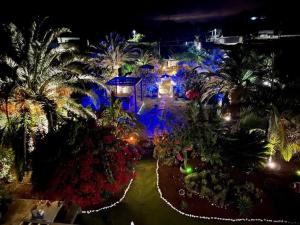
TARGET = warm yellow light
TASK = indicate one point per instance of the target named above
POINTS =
(132, 138)
(272, 165)
(227, 117)
(123, 90)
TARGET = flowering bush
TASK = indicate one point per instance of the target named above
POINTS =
(98, 170)
(192, 94)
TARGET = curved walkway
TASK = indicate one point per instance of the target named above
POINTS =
(143, 205)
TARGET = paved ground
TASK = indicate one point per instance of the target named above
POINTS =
(143, 206)
(161, 114)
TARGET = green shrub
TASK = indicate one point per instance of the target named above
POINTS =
(245, 205)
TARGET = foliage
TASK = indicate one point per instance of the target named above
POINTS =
(7, 160)
(127, 69)
(283, 134)
(123, 122)
(212, 184)
(245, 150)
(237, 76)
(218, 186)
(90, 162)
(112, 53)
(245, 205)
(250, 119)
(197, 139)
(39, 82)
(146, 57)
(137, 37)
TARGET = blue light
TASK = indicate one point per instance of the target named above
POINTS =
(95, 104)
(156, 119)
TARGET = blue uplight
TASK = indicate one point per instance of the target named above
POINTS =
(156, 119)
(95, 104)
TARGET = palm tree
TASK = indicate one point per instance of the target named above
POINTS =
(113, 52)
(238, 76)
(39, 81)
(146, 58)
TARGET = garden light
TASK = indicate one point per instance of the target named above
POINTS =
(267, 83)
(132, 138)
(227, 117)
(189, 170)
(297, 173)
(271, 165)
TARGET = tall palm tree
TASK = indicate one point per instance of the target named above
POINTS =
(113, 52)
(39, 80)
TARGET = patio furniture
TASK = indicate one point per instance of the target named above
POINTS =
(45, 213)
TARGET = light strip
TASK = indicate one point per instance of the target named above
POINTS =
(112, 205)
(213, 218)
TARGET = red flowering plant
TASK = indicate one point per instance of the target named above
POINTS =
(97, 172)
(192, 94)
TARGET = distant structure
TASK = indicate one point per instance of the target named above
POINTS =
(62, 40)
(217, 37)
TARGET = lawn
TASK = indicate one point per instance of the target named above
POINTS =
(143, 206)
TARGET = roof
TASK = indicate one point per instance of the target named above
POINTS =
(123, 81)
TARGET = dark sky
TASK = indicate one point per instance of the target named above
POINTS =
(99, 16)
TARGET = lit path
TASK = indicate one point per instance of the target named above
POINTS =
(143, 206)
(162, 114)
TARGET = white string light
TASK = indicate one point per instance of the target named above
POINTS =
(186, 214)
(213, 218)
(112, 205)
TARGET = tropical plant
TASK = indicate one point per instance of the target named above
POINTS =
(137, 37)
(237, 77)
(114, 116)
(244, 149)
(145, 58)
(113, 52)
(283, 135)
(40, 81)
(198, 138)
(250, 119)
(245, 205)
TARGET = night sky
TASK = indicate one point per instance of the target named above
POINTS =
(166, 18)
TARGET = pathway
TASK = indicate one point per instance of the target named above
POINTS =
(143, 205)
(161, 114)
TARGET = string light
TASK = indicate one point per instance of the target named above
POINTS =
(212, 218)
(186, 214)
(112, 205)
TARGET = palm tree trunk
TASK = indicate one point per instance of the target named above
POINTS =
(6, 110)
(25, 143)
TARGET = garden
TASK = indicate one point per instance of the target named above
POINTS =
(208, 133)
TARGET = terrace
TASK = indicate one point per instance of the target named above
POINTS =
(121, 132)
